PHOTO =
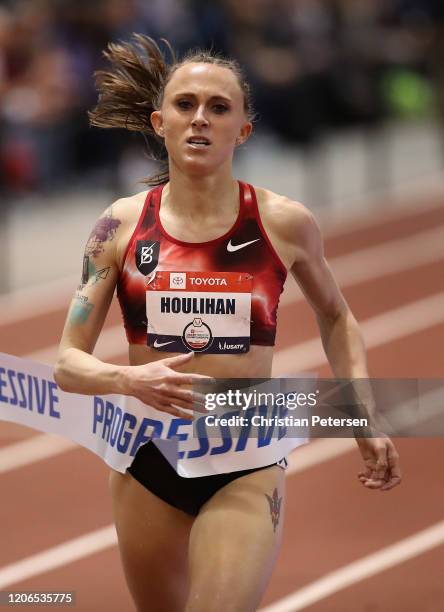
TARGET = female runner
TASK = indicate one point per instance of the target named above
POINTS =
(205, 544)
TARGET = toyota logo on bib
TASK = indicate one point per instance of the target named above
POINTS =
(147, 256)
(178, 280)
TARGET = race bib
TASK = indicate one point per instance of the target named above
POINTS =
(204, 312)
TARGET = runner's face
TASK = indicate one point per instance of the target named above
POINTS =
(202, 117)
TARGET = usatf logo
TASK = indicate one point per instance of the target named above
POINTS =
(225, 346)
(178, 280)
(147, 256)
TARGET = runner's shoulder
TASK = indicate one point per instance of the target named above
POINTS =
(116, 225)
(286, 217)
(127, 210)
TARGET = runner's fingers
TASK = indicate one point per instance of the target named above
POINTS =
(178, 361)
(363, 476)
(383, 473)
(196, 399)
(381, 470)
(199, 402)
(381, 463)
(379, 474)
(394, 479)
(183, 403)
(189, 399)
(373, 484)
(393, 482)
(177, 397)
(189, 379)
(170, 388)
(173, 391)
(365, 473)
(393, 459)
(170, 409)
(377, 479)
(371, 479)
(157, 399)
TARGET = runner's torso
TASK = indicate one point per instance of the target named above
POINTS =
(244, 248)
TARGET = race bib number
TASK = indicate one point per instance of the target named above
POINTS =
(204, 312)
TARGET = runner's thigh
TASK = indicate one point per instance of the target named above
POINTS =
(153, 542)
(234, 543)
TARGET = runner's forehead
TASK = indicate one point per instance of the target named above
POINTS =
(212, 80)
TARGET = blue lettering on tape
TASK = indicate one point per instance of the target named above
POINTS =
(117, 420)
(173, 433)
(120, 430)
(14, 399)
(3, 383)
(21, 378)
(32, 391)
(227, 441)
(203, 440)
(98, 412)
(265, 433)
(142, 437)
(109, 423)
(124, 437)
(245, 430)
(109, 413)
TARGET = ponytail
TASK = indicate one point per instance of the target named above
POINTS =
(132, 88)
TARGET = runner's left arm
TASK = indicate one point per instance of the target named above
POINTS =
(343, 344)
(341, 337)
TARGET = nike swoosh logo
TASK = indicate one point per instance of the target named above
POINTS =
(159, 344)
(231, 248)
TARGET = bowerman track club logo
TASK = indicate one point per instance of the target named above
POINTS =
(147, 256)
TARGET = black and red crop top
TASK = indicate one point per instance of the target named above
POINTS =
(244, 248)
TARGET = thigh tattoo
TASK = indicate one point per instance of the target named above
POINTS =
(275, 507)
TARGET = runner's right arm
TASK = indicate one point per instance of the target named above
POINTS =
(77, 370)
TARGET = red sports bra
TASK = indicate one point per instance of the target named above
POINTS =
(244, 248)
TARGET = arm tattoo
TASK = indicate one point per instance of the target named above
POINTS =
(104, 230)
(89, 271)
(80, 310)
(85, 270)
(275, 508)
(103, 273)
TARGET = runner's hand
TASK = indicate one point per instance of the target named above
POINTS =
(161, 386)
(382, 470)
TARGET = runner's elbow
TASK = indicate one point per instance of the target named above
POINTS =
(61, 372)
(59, 376)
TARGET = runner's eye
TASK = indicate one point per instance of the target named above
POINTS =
(184, 104)
(220, 108)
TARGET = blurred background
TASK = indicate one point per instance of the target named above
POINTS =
(350, 102)
(349, 96)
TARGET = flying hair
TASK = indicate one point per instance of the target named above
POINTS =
(134, 84)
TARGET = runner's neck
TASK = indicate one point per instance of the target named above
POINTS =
(194, 199)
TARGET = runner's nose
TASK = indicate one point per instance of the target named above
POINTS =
(200, 119)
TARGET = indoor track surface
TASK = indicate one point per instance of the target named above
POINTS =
(346, 549)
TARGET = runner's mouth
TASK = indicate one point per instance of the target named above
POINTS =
(198, 141)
